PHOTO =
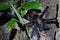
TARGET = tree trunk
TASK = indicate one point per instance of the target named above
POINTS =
(3, 34)
(49, 14)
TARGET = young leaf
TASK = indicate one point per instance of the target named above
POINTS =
(18, 15)
(31, 5)
(10, 24)
(23, 13)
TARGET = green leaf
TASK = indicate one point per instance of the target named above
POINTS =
(18, 15)
(31, 5)
(5, 5)
(23, 13)
(15, 1)
(10, 24)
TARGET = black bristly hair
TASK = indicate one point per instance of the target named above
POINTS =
(52, 20)
(23, 28)
(12, 34)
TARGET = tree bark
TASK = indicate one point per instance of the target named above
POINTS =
(3, 34)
